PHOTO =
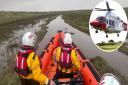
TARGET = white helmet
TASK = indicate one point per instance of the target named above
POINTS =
(109, 79)
(29, 39)
(67, 38)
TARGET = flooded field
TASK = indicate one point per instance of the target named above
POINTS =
(9, 47)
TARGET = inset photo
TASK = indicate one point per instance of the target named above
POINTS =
(108, 25)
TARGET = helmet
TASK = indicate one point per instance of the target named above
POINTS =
(29, 39)
(67, 38)
(109, 79)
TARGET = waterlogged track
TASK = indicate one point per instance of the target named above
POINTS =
(116, 59)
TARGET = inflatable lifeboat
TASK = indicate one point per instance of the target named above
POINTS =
(88, 75)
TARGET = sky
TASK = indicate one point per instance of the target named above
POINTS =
(101, 35)
(50, 5)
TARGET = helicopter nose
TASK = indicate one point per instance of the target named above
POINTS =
(94, 23)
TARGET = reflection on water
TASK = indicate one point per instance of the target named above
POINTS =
(116, 59)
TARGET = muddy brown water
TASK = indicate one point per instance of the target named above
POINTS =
(116, 59)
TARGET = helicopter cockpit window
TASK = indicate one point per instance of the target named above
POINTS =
(101, 19)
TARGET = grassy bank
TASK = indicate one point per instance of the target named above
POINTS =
(103, 67)
(124, 48)
(78, 19)
(16, 19)
(9, 17)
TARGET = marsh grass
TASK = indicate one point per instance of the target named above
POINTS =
(103, 67)
(78, 19)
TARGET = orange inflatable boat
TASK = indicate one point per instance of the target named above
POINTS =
(88, 74)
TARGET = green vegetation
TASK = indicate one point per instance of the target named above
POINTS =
(8, 76)
(103, 67)
(78, 19)
(9, 17)
(10, 21)
(109, 46)
(124, 48)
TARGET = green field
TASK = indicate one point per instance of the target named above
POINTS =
(7, 17)
(109, 47)
(10, 21)
(78, 19)
(103, 67)
(124, 48)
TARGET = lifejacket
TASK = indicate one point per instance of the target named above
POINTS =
(65, 60)
(21, 60)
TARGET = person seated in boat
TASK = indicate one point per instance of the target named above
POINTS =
(66, 58)
(28, 63)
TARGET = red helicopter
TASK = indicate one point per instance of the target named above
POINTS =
(110, 23)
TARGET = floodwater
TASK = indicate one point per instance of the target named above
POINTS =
(9, 48)
(116, 59)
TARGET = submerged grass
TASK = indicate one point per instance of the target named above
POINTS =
(103, 67)
(16, 19)
(8, 75)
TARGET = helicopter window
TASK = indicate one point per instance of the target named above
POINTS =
(118, 18)
(107, 21)
(110, 22)
(113, 23)
(101, 19)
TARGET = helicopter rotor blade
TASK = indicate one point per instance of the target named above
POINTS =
(108, 8)
(100, 9)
